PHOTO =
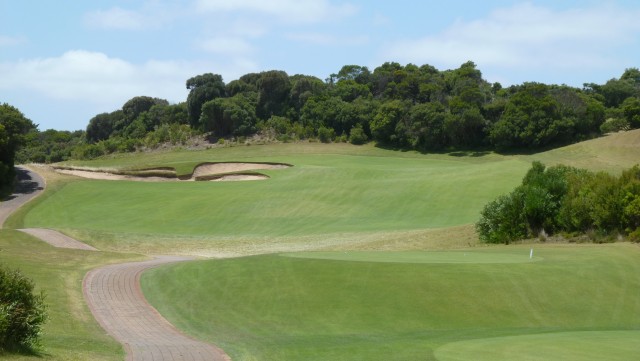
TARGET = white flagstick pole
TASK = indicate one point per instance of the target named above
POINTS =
(531, 254)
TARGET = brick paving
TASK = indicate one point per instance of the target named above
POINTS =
(116, 301)
(114, 296)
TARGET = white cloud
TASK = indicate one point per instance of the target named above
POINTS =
(115, 18)
(226, 45)
(152, 14)
(327, 39)
(105, 81)
(526, 36)
(11, 40)
(296, 11)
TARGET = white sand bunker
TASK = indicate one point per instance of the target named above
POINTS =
(231, 171)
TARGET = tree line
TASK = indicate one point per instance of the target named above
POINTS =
(408, 107)
(562, 199)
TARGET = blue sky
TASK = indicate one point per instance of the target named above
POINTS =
(64, 61)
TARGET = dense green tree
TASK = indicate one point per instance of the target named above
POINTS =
(302, 89)
(426, 128)
(101, 126)
(357, 135)
(465, 127)
(239, 86)
(384, 123)
(631, 109)
(230, 116)
(531, 119)
(274, 88)
(14, 127)
(202, 88)
(49, 146)
(357, 73)
(349, 90)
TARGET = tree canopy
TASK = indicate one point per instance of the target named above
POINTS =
(14, 127)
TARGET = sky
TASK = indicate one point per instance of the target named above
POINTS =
(63, 62)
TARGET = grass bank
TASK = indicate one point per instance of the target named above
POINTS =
(71, 332)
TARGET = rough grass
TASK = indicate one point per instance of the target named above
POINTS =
(71, 332)
(274, 307)
(611, 153)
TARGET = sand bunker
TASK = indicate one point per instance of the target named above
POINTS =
(205, 172)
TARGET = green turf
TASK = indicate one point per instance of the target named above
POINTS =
(322, 194)
(583, 346)
(420, 257)
(71, 332)
(272, 307)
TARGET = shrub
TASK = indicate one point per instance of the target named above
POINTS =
(357, 135)
(613, 125)
(326, 135)
(22, 312)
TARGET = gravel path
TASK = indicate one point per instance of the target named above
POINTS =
(116, 301)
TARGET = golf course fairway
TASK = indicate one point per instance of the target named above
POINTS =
(407, 305)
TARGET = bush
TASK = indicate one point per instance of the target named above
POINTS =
(326, 135)
(22, 312)
(613, 125)
(357, 135)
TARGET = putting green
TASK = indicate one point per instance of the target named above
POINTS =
(420, 256)
(584, 346)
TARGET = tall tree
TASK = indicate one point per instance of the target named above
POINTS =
(13, 128)
(202, 88)
(274, 88)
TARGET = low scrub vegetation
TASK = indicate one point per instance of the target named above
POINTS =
(565, 199)
(22, 312)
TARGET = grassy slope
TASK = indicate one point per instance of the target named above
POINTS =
(283, 308)
(611, 153)
(333, 191)
(71, 332)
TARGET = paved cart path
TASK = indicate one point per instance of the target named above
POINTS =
(114, 296)
(29, 185)
(116, 301)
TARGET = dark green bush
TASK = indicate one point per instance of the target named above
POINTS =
(357, 135)
(565, 199)
(22, 312)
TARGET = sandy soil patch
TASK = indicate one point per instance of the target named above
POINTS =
(205, 172)
(110, 176)
(221, 168)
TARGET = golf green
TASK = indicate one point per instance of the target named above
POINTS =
(583, 346)
(421, 257)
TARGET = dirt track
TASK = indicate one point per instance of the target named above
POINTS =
(114, 296)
